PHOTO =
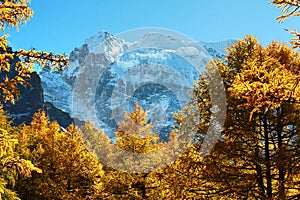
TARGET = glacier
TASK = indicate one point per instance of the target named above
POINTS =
(108, 75)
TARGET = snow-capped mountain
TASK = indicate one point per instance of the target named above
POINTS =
(216, 49)
(108, 75)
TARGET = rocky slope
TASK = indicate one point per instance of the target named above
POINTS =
(31, 100)
(108, 74)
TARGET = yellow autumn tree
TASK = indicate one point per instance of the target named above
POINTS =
(182, 178)
(289, 8)
(70, 171)
(12, 14)
(12, 165)
(268, 87)
(97, 142)
(135, 136)
(257, 155)
(15, 69)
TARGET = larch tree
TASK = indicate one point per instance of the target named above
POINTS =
(268, 86)
(257, 156)
(134, 135)
(69, 170)
(289, 8)
(13, 13)
(182, 178)
(12, 165)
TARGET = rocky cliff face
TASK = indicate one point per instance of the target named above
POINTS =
(31, 100)
(108, 75)
(58, 115)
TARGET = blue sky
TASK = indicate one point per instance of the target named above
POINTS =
(60, 25)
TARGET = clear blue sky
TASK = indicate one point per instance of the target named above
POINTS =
(60, 25)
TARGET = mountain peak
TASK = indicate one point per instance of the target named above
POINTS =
(98, 39)
(127, 71)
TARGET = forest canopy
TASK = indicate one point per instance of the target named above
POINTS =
(256, 157)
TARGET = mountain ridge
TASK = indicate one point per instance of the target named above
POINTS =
(114, 57)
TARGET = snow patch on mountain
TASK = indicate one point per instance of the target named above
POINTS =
(155, 70)
(217, 49)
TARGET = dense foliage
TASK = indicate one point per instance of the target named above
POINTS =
(256, 157)
(12, 14)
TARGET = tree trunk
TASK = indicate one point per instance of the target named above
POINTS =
(281, 160)
(267, 158)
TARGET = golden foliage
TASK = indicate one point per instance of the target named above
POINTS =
(134, 135)
(12, 14)
(11, 165)
(70, 171)
(256, 158)
(289, 8)
(269, 78)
